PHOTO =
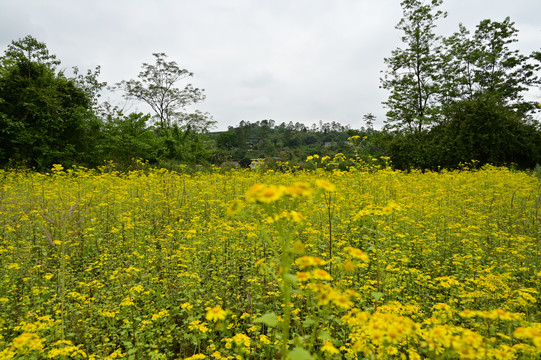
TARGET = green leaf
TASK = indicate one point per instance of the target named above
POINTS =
(299, 353)
(324, 335)
(291, 279)
(308, 322)
(377, 295)
(268, 319)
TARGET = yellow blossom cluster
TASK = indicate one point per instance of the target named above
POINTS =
(262, 193)
(215, 313)
(372, 210)
(342, 263)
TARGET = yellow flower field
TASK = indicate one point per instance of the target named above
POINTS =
(154, 264)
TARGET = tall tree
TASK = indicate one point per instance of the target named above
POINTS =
(45, 117)
(482, 65)
(29, 50)
(457, 71)
(157, 86)
(536, 56)
(411, 74)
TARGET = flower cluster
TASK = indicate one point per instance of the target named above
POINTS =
(155, 264)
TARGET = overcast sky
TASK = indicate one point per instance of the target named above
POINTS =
(286, 60)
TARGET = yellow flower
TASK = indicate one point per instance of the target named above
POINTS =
(343, 301)
(234, 208)
(264, 339)
(187, 306)
(299, 189)
(302, 276)
(264, 194)
(253, 193)
(358, 254)
(48, 276)
(216, 313)
(325, 295)
(325, 185)
(57, 167)
(329, 348)
(197, 325)
(394, 206)
(28, 342)
(128, 301)
(363, 213)
(320, 274)
(295, 216)
(242, 340)
(299, 247)
(306, 261)
(349, 266)
(271, 194)
(137, 288)
(386, 210)
(196, 357)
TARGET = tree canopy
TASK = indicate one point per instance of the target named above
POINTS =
(157, 86)
(44, 116)
(460, 98)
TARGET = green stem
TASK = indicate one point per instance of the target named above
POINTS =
(286, 290)
(62, 279)
(329, 214)
(287, 312)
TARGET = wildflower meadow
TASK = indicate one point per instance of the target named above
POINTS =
(318, 264)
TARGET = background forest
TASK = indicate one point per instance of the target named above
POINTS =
(451, 100)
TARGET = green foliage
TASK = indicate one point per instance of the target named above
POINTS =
(127, 137)
(486, 130)
(226, 140)
(184, 146)
(452, 100)
(484, 65)
(480, 129)
(29, 50)
(460, 98)
(291, 142)
(537, 171)
(269, 319)
(45, 117)
(298, 353)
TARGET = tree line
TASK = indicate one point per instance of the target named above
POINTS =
(48, 117)
(451, 100)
